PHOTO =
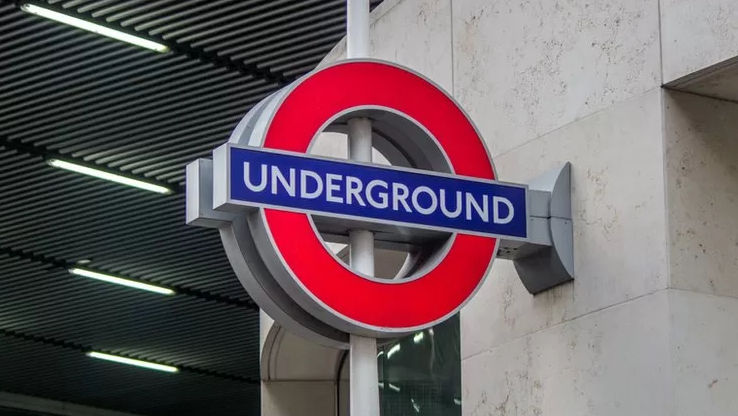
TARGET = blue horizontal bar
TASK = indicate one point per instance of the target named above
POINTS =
(288, 181)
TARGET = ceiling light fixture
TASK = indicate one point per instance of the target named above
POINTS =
(130, 361)
(415, 405)
(97, 173)
(393, 350)
(94, 27)
(120, 281)
(418, 337)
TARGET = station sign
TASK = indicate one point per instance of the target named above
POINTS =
(264, 178)
(275, 203)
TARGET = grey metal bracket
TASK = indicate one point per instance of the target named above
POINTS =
(546, 259)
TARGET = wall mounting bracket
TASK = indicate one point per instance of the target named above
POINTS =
(546, 259)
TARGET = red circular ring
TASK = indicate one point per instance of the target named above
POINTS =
(406, 305)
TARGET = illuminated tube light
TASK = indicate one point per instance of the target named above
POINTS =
(393, 350)
(393, 387)
(94, 28)
(63, 164)
(418, 337)
(130, 361)
(120, 281)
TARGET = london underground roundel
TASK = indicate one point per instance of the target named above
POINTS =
(440, 199)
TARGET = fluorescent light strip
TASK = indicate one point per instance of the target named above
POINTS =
(418, 337)
(130, 361)
(63, 164)
(120, 281)
(94, 27)
(393, 350)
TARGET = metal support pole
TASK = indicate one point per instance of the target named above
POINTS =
(364, 382)
(364, 376)
(357, 28)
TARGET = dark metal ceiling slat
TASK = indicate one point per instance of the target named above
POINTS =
(115, 7)
(167, 11)
(130, 96)
(328, 42)
(300, 70)
(302, 32)
(203, 13)
(95, 99)
(242, 19)
(133, 113)
(314, 54)
(37, 83)
(52, 36)
(238, 32)
(94, 5)
(106, 89)
(229, 113)
(166, 157)
(275, 47)
(177, 18)
(133, 11)
(72, 3)
(310, 61)
(209, 130)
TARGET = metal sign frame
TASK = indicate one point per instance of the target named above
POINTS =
(278, 285)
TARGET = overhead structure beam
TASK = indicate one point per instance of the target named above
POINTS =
(48, 154)
(55, 407)
(185, 49)
(55, 263)
(87, 348)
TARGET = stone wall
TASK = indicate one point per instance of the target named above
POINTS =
(647, 327)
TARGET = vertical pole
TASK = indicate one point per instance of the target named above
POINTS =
(357, 29)
(364, 382)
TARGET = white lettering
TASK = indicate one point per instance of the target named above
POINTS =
(496, 206)
(278, 177)
(482, 211)
(331, 186)
(399, 196)
(416, 204)
(353, 189)
(304, 175)
(247, 178)
(383, 197)
(445, 210)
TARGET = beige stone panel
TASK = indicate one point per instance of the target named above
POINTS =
(697, 34)
(524, 68)
(704, 347)
(618, 216)
(613, 362)
(702, 193)
(298, 398)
